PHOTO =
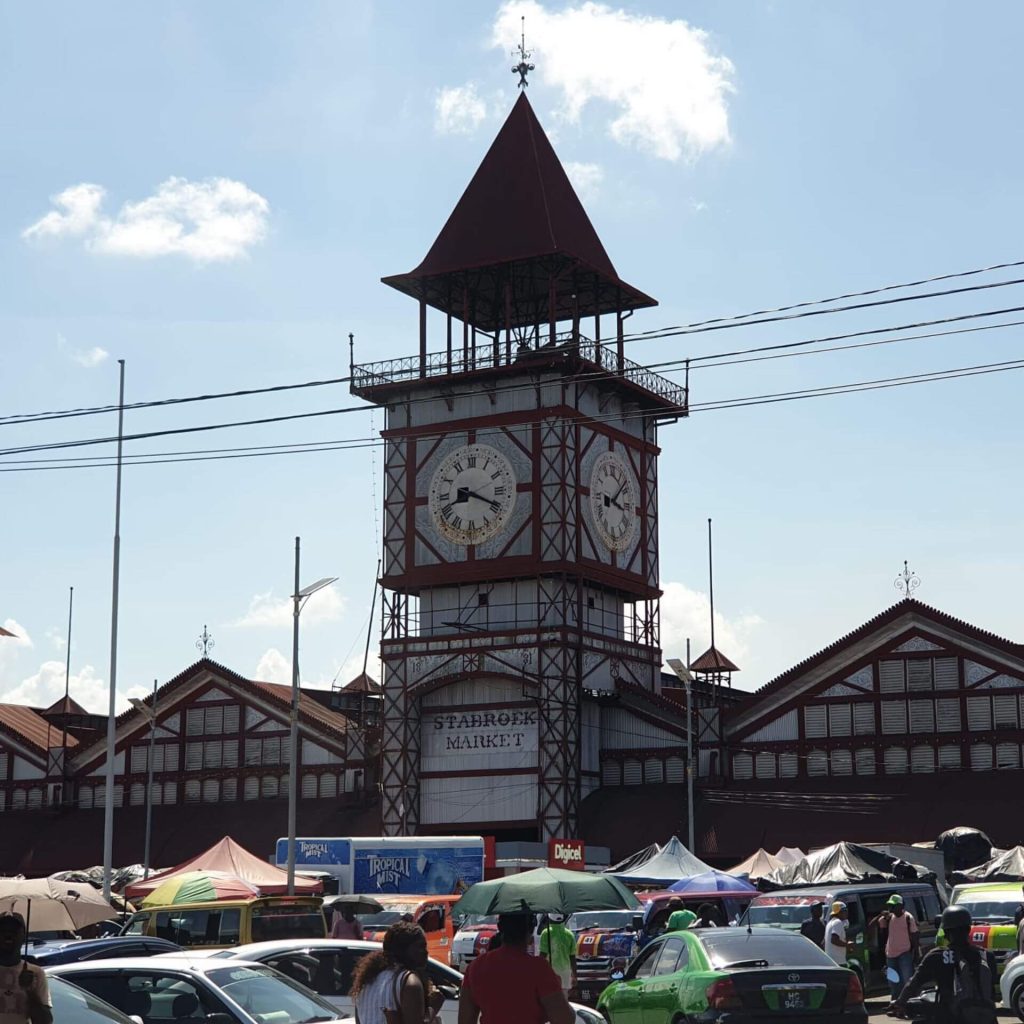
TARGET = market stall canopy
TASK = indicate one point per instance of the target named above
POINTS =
(546, 891)
(670, 864)
(234, 860)
(790, 854)
(848, 862)
(634, 859)
(758, 865)
(712, 881)
(119, 878)
(1007, 866)
(49, 905)
(964, 848)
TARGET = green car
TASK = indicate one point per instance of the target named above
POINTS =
(733, 975)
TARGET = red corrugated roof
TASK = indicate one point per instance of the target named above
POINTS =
(713, 660)
(307, 705)
(363, 683)
(66, 706)
(30, 726)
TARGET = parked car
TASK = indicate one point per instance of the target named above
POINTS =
(74, 1005)
(432, 913)
(992, 906)
(49, 954)
(789, 908)
(222, 923)
(204, 990)
(734, 975)
(606, 940)
(472, 939)
(1011, 986)
(327, 966)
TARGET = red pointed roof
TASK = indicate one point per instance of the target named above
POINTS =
(713, 660)
(519, 222)
(66, 706)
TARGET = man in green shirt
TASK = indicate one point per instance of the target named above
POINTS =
(558, 947)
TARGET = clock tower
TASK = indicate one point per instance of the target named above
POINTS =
(520, 573)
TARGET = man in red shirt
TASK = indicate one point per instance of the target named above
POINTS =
(508, 986)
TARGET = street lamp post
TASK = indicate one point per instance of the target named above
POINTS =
(150, 715)
(299, 598)
(683, 672)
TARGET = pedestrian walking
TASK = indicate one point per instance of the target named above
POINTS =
(901, 942)
(391, 985)
(558, 946)
(24, 994)
(835, 933)
(814, 927)
(508, 986)
(345, 924)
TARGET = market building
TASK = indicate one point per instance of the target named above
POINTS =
(521, 634)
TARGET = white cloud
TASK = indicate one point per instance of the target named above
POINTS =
(585, 178)
(459, 110)
(686, 613)
(46, 686)
(20, 637)
(273, 667)
(216, 220)
(268, 612)
(90, 357)
(667, 86)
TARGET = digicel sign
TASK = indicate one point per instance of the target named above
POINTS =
(566, 853)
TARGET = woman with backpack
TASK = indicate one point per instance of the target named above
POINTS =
(391, 985)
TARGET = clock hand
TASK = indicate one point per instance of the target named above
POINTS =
(495, 505)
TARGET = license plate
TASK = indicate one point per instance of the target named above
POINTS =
(782, 997)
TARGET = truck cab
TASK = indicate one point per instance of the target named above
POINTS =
(432, 913)
(606, 940)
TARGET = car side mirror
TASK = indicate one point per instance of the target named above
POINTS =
(637, 922)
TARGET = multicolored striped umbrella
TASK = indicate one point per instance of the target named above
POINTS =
(200, 887)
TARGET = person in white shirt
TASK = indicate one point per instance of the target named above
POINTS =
(835, 933)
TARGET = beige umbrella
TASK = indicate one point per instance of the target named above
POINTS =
(51, 906)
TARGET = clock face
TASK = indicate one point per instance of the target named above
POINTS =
(613, 501)
(472, 494)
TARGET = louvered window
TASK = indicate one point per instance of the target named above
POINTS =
(817, 762)
(981, 757)
(815, 722)
(890, 677)
(949, 757)
(654, 770)
(894, 717)
(1004, 710)
(3, 765)
(764, 765)
(329, 785)
(212, 751)
(231, 718)
(156, 794)
(193, 791)
(839, 723)
(272, 750)
(35, 798)
(979, 714)
(211, 791)
(85, 797)
(922, 759)
(945, 674)
(268, 786)
(864, 719)
(919, 674)
(229, 789)
(742, 766)
(137, 794)
(947, 712)
(842, 762)
(895, 761)
(308, 787)
(99, 796)
(675, 770)
(194, 722)
(119, 795)
(611, 774)
(3, 800)
(251, 789)
(214, 722)
(138, 760)
(229, 755)
(922, 716)
(19, 800)
(789, 765)
(193, 757)
(865, 760)
(1007, 755)
(170, 792)
(632, 772)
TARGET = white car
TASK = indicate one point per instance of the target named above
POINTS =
(326, 966)
(186, 990)
(1011, 985)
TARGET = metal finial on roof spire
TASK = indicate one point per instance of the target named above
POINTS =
(205, 643)
(907, 582)
(524, 67)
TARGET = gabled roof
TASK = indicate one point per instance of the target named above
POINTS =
(66, 706)
(519, 213)
(282, 693)
(713, 660)
(363, 683)
(28, 725)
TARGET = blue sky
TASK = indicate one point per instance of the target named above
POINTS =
(732, 156)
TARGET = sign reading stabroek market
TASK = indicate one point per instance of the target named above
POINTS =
(498, 738)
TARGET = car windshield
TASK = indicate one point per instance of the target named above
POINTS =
(779, 949)
(388, 916)
(72, 1005)
(287, 921)
(781, 911)
(269, 997)
(990, 909)
(600, 919)
(472, 920)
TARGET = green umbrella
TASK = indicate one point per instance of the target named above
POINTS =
(547, 891)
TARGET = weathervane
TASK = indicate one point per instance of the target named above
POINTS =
(205, 643)
(523, 68)
(907, 582)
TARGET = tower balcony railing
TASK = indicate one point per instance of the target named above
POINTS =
(604, 361)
